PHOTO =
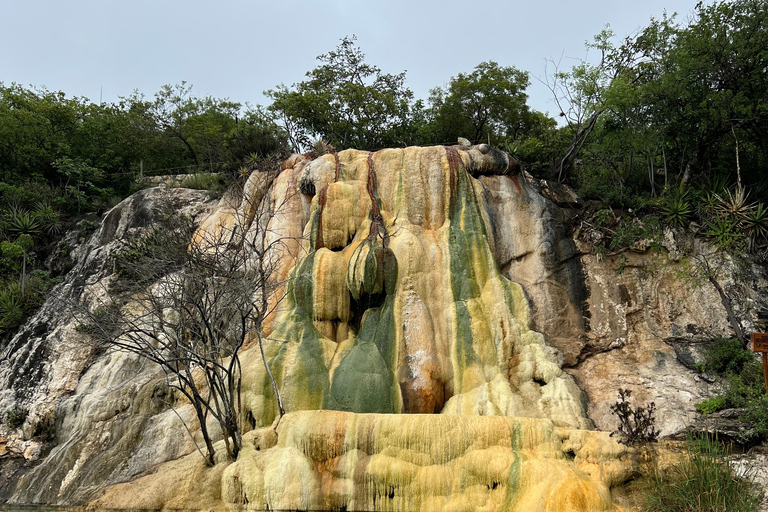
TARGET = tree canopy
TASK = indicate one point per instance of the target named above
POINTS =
(678, 101)
(488, 103)
(346, 102)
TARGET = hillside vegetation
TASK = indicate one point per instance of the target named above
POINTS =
(668, 125)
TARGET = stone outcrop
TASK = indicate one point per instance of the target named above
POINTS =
(332, 460)
(651, 317)
(397, 304)
(106, 414)
(440, 341)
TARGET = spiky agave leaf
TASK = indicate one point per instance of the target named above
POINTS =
(22, 222)
(755, 225)
(733, 204)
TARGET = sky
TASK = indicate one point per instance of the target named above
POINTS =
(237, 49)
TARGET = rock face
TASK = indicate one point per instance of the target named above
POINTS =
(397, 304)
(105, 413)
(332, 460)
(440, 341)
(650, 324)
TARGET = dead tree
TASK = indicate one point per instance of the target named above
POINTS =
(192, 299)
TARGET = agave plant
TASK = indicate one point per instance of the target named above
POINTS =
(22, 222)
(733, 204)
(321, 147)
(716, 184)
(678, 209)
(724, 233)
(755, 225)
(707, 204)
(48, 217)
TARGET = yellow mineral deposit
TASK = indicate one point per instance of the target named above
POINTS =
(395, 311)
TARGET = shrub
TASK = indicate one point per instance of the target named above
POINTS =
(724, 232)
(703, 481)
(16, 416)
(635, 423)
(16, 307)
(710, 405)
(205, 181)
(743, 386)
(726, 356)
(11, 309)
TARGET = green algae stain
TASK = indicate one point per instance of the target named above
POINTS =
(515, 469)
(297, 357)
(364, 380)
(472, 266)
(464, 285)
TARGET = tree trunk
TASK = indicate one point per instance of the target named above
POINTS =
(738, 167)
(271, 377)
(209, 459)
(728, 305)
(23, 272)
(565, 163)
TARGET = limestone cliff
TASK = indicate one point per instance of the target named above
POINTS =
(397, 305)
(432, 298)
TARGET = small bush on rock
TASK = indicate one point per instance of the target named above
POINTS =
(16, 416)
(635, 423)
(743, 386)
(710, 405)
(205, 181)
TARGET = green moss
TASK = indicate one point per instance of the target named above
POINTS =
(301, 375)
(362, 383)
(365, 379)
(471, 266)
(515, 469)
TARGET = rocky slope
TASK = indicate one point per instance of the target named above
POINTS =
(104, 414)
(417, 281)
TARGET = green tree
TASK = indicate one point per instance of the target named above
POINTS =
(209, 132)
(711, 98)
(347, 102)
(671, 104)
(487, 104)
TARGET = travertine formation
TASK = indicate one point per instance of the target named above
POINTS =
(414, 288)
(395, 303)
(329, 460)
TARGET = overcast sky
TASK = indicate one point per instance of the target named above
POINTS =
(237, 49)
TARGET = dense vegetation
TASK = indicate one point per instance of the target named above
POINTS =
(669, 124)
(63, 157)
(742, 384)
(703, 481)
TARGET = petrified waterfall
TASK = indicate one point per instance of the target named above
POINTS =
(410, 287)
(393, 303)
